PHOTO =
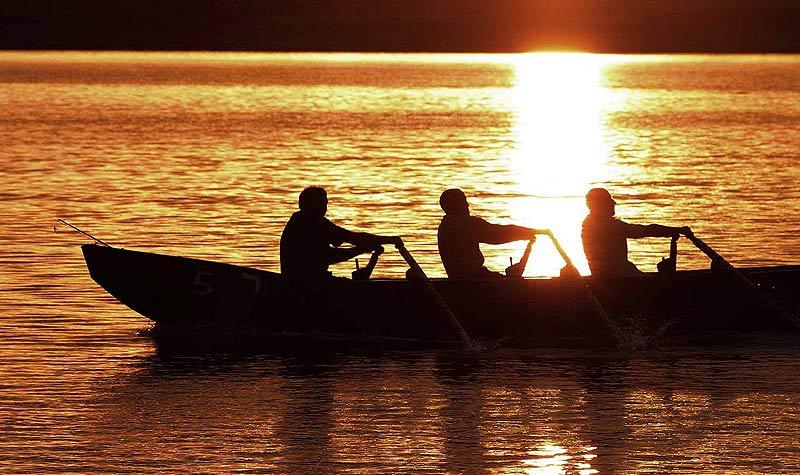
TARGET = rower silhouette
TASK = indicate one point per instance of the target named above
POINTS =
(460, 234)
(605, 237)
(310, 241)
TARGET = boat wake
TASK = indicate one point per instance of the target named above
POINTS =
(638, 333)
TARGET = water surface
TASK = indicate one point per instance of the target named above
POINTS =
(203, 155)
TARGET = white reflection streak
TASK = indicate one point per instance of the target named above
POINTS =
(549, 460)
(552, 459)
(558, 101)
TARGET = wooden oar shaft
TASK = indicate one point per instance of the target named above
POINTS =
(673, 248)
(745, 282)
(365, 272)
(526, 255)
(560, 249)
(597, 307)
(516, 270)
(441, 305)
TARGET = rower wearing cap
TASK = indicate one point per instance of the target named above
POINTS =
(460, 235)
(605, 237)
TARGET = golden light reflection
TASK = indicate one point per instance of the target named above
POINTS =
(548, 459)
(558, 101)
(552, 459)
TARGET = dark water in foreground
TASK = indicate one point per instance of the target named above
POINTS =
(712, 411)
(203, 155)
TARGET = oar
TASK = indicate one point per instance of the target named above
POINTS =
(441, 305)
(744, 281)
(516, 270)
(670, 264)
(597, 307)
(365, 272)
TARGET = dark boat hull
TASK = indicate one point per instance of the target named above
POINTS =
(181, 293)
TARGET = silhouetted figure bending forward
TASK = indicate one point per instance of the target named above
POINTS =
(605, 237)
(310, 241)
(460, 235)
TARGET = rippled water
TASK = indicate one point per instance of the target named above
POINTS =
(204, 154)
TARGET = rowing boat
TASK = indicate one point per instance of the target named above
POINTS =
(180, 292)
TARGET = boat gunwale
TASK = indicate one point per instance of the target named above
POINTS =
(683, 272)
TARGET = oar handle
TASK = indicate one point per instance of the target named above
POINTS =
(441, 305)
(744, 281)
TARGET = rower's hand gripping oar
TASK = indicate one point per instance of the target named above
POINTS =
(442, 307)
(572, 272)
(744, 281)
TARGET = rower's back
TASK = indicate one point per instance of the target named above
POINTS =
(605, 237)
(460, 236)
(305, 245)
(459, 246)
(307, 237)
(606, 246)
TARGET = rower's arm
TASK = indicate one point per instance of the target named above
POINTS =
(363, 243)
(345, 254)
(370, 241)
(338, 235)
(502, 233)
(652, 230)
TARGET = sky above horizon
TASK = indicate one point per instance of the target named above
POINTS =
(410, 25)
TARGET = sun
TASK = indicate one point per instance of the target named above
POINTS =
(559, 104)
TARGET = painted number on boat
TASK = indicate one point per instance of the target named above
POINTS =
(255, 279)
(200, 284)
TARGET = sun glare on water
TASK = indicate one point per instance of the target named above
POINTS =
(558, 100)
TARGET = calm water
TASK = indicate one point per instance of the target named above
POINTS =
(204, 154)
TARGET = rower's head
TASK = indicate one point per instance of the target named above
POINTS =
(600, 202)
(314, 200)
(454, 202)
